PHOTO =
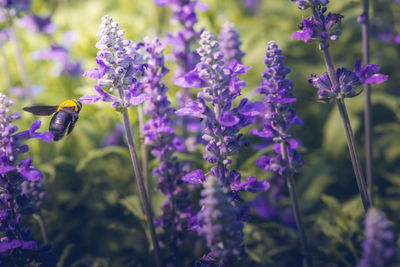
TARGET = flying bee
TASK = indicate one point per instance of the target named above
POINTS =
(65, 116)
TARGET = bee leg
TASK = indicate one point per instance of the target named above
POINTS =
(72, 124)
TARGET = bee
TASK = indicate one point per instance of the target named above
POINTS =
(65, 116)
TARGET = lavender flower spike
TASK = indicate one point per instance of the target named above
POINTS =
(119, 67)
(379, 247)
(216, 214)
(161, 137)
(17, 247)
(278, 117)
(230, 43)
(220, 86)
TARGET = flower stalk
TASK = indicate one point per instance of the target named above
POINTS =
(43, 229)
(324, 47)
(18, 54)
(143, 150)
(295, 205)
(140, 184)
(367, 109)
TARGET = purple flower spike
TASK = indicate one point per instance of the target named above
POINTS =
(230, 43)
(220, 87)
(37, 24)
(119, 68)
(64, 65)
(160, 136)
(217, 212)
(379, 247)
(17, 248)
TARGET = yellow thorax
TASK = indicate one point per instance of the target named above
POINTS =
(72, 103)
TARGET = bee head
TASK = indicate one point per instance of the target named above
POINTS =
(78, 104)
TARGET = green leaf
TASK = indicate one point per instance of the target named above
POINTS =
(101, 153)
(132, 203)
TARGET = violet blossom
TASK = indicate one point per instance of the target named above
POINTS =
(160, 136)
(220, 227)
(119, 67)
(230, 43)
(279, 116)
(379, 247)
(37, 24)
(185, 57)
(17, 246)
(277, 120)
(182, 41)
(220, 86)
(64, 65)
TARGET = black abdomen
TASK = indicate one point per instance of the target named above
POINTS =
(59, 123)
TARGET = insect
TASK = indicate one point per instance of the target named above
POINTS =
(65, 116)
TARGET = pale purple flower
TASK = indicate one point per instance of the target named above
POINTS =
(37, 24)
(119, 67)
(230, 43)
(219, 225)
(60, 55)
(379, 246)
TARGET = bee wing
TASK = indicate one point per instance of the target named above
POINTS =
(41, 110)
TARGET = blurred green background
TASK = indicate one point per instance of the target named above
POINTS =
(93, 213)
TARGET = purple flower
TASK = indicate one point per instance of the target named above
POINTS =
(277, 119)
(160, 136)
(230, 43)
(20, 191)
(115, 137)
(365, 73)
(348, 80)
(119, 68)
(379, 247)
(13, 7)
(182, 41)
(216, 214)
(322, 30)
(37, 24)
(397, 39)
(220, 86)
(64, 65)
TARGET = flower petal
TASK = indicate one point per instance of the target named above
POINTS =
(194, 177)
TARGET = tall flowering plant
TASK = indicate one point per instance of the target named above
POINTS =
(17, 247)
(220, 85)
(277, 120)
(185, 57)
(230, 43)
(160, 136)
(379, 247)
(337, 83)
(119, 68)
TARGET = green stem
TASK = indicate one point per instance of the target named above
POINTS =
(39, 218)
(139, 181)
(19, 57)
(368, 109)
(143, 150)
(295, 205)
(366, 200)
(5, 69)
